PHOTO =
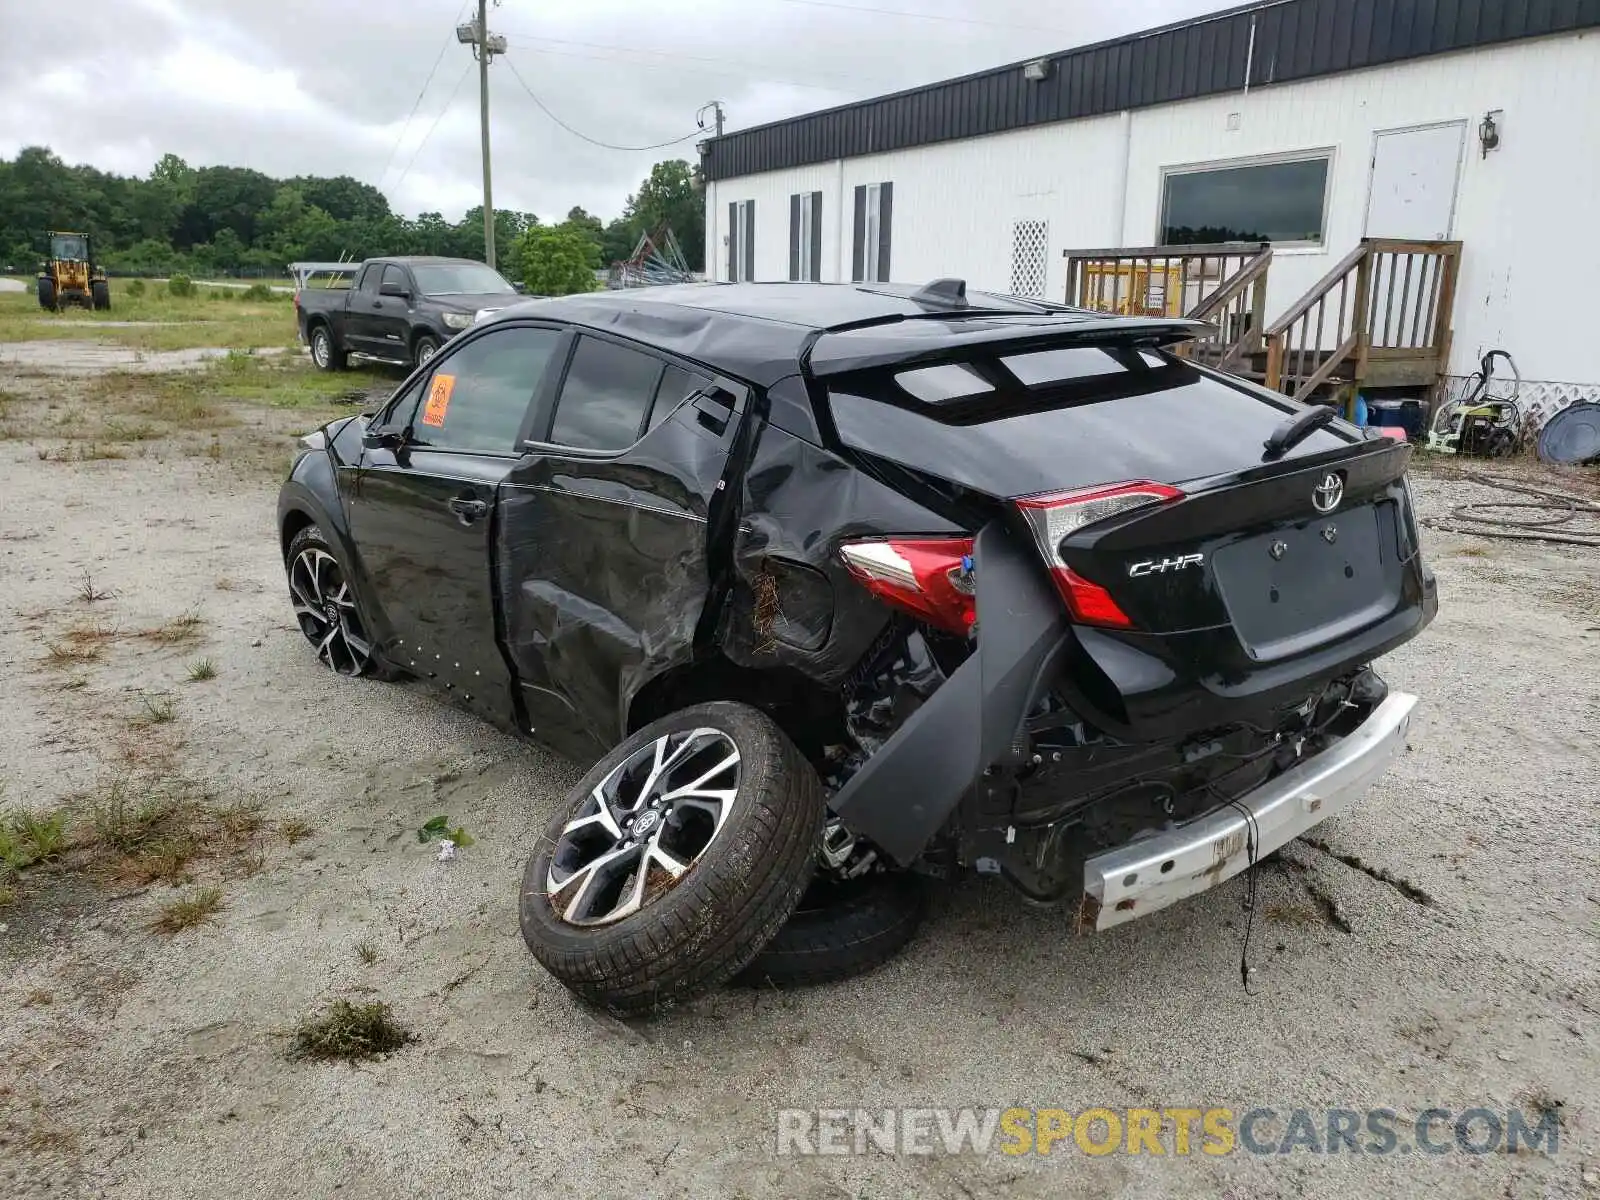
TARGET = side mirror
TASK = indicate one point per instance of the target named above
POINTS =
(520, 288)
(383, 439)
(398, 290)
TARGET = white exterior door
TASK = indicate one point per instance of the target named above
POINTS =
(1414, 176)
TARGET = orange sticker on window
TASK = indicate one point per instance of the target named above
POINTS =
(438, 400)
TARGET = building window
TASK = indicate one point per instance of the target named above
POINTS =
(741, 241)
(1284, 202)
(805, 237)
(869, 261)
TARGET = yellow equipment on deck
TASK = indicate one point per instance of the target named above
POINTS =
(71, 275)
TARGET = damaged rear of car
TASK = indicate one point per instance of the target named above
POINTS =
(879, 586)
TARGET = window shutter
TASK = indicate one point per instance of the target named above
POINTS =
(816, 237)
(794, 237)
(858, 261)
(750, 241)
(885, 224)
(733, 242)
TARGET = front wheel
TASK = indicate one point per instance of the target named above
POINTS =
(100, 294)
(326, 609)
(47, 295)
(426, 347)
(675, 860)
(325, 352)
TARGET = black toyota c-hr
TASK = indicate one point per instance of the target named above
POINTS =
(845, 588)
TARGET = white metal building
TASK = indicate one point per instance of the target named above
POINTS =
(1309, 123)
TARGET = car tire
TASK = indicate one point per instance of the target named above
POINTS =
(100, 295)
(424, 348)
(47, 295)
(842, 928)
(744, 846)
(325, 352)
(326, 609)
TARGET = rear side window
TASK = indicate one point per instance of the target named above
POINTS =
(607, 395)
(477, 398)
(677, 385)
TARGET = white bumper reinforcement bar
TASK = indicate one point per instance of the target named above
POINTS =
(1145, 876)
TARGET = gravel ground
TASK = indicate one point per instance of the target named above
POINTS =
(1458, 967)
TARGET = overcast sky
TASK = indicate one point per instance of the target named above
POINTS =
(329, 87)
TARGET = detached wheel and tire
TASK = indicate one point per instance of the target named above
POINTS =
(675, 861)
(842, 928)
(100, 294)
(425, 348)
(324, 352)
(325, 607)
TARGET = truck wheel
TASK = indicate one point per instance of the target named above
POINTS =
(100, 294)
(842, 928)
(47, 295)
(424, 348)
(324, 352)
(675, 860)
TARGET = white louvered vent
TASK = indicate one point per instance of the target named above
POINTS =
(1030, 243)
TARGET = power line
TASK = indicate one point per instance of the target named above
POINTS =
(916, 16)
(539, 37)
(423, 91)
(835, 88)
(585, 137)
(465, 71)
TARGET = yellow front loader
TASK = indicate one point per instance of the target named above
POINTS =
(71, 275)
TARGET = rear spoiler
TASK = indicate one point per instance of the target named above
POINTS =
(905, 341)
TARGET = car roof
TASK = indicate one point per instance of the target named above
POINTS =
(761, 331)
(423, 260)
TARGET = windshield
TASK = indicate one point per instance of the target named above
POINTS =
(459, 279)
(70, 247)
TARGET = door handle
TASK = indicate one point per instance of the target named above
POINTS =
(468, 510)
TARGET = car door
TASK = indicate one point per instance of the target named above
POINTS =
(609, 526)
(361, 311)
(422, 508)
(390, 319)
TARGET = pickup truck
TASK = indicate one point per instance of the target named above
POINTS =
(398, 309)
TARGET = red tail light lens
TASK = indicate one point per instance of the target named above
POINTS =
(1055, 517)
(930, 578)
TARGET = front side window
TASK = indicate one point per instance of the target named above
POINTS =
(460, 279)
(606, 397)
(477, 398)
(394, 276)
(1280, 202)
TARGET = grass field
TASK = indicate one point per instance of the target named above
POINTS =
(155, 320)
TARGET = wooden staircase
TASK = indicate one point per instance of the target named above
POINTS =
(1380, 320)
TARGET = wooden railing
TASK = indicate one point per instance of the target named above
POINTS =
(1224, 284)
(1390, 304)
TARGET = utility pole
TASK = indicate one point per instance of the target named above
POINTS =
(484, 47)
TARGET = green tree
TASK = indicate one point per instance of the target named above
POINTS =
(557, 261)
(669, 199)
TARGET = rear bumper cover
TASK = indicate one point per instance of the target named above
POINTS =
(1147, 875)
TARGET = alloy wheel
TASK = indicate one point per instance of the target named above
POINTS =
(326, 610)
(320, 348)
(643, 827)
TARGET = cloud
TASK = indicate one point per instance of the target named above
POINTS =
(298, 87)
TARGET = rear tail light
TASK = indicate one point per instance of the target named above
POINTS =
(930, 578)
(1055, 517)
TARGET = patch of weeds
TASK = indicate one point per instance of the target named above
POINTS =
(225, 584)
(180, 287)
(134, 288)
(240, 820)
(8, 890)
(157, 710)
(27, 838)
(70, 654)
(295, 829)
(1474, 552)
(439, 827)
(89, 593)
(38, 998)
(197, 908)
(182, 630)
(201, 670)
(126, 824)
(367, 953)
(75, 684)
(349, 1032)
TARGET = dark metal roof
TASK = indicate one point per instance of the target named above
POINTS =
(1294, 40)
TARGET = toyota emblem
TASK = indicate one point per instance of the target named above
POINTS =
(1327, 494)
